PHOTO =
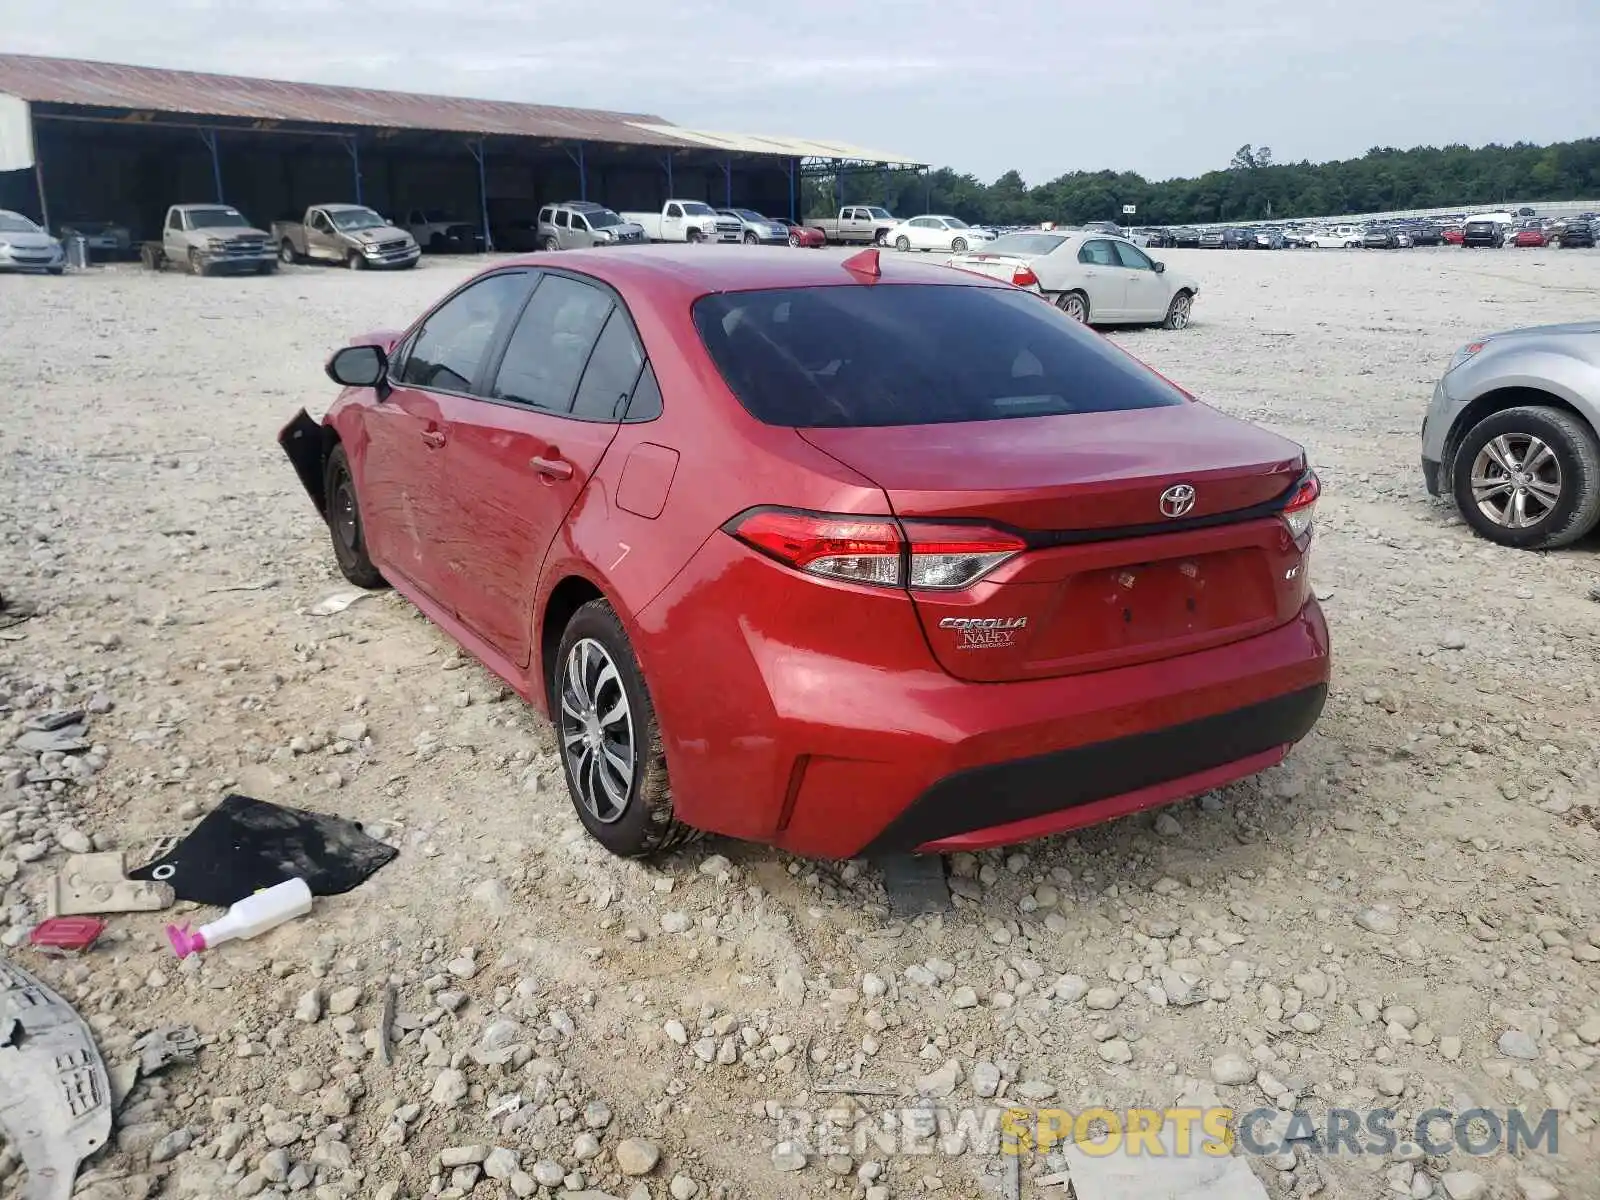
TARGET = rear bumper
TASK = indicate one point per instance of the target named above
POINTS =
(831, 739)
(1084, 785)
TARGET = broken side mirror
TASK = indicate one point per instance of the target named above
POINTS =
(359, 366)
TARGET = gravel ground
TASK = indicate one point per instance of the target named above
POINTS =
(1404, 914)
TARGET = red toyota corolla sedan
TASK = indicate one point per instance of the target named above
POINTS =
(852, 556)
(803, 235)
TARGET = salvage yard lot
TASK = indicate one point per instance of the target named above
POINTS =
(1431, 847)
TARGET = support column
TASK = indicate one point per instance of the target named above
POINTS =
(583, 171)
(727, 181)
(209, 137)
(793, 215)
(666, 164)
(354, 147)
(480, 151)
(927, 181)
(38, 172)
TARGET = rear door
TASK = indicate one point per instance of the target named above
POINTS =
(405, 498)
(523, 451)
(1104, 279)
(1140, 524)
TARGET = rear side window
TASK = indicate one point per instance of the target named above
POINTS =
(914, 354)
(551, 344)
(612, 371)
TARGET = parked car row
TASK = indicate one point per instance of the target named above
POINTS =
(25, 246)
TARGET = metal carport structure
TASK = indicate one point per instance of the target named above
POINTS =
(126, 141)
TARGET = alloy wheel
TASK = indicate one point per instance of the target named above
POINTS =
(1072, 304)
(1178, 314)
(597, 731)
(1516, 480)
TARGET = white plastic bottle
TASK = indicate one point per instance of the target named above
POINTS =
(253, 915)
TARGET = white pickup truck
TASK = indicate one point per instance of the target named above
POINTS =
(687, 221)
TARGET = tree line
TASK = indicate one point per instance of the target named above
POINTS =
(1253, 187)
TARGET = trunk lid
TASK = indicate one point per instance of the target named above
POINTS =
(1109, 578)
(995, 266)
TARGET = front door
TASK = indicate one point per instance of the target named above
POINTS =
(521, 456)
(1147, 297)
(672, 223)
(320, 241)
(405, 499)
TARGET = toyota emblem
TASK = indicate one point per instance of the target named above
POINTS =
(1177, 500)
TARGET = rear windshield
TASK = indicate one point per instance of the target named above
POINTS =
(914, 354)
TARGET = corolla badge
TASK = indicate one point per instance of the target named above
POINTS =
(1177, 500)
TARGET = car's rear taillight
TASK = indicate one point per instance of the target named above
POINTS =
(1024, 277)
(1301, 510)
(877, 550)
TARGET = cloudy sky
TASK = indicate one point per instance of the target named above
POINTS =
(1044, 86)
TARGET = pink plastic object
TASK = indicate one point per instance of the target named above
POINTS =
(66, 933)
(185, 941)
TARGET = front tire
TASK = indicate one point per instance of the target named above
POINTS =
(751, 239)
(1075, 305)
(610, 742)
(345, 525)
(694, 237)
(356, 261)
(197, 265)
(551, 245)
(881, 238)
(959, 245)
(1529, 478)
(1178, 311)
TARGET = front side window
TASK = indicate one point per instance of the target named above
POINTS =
(449, 349)
(1132, 256)
(551, 344)
(674, 210)
(914, 354)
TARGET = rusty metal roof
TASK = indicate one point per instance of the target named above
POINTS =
(149, 89)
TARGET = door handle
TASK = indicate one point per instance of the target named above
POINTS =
(552, 468)
(433, 437)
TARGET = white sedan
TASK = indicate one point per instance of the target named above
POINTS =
(937, 233)
(1095, 278)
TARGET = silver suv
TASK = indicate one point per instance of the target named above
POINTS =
(1513, 435)
(579, 224)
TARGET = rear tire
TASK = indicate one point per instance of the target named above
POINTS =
(1563, 518)
(287, 254)
(609, 740)
(902, 243)
(550, 245)
(345, 526)
(794, 240)
(1075, 305)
